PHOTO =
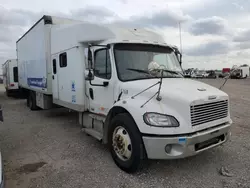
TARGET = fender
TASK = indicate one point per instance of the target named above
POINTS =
(136, 111)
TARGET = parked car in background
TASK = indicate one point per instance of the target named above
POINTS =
(188, 73)
(205, 74)
(200, 74)
(211, 74)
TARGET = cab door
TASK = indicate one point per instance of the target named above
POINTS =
(100, 95)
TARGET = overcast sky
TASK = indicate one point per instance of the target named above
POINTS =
(215, 33)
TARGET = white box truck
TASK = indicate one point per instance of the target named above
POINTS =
(127, 86)
(240, 73)
(10, 77)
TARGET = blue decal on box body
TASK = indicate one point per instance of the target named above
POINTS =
(37, 82)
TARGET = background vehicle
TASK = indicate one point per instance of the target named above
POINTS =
(128, 87)
(200, 74)
(205, 74)
(241, 72)
(10, 76)
(190, 73)
(225, 72)
(211, 74)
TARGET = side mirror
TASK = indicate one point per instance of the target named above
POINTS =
(89, 75)
(90, 60)
(180, 58)
(89, 54)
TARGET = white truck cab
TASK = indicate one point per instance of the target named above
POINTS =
(148, 116)
(129, 89)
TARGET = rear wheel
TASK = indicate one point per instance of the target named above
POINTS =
(31, 101)
(125, 143)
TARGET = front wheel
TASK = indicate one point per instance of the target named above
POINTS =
(125, 143)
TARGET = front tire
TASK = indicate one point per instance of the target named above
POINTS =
(125, 143)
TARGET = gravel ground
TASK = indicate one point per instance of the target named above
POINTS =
(47, 149)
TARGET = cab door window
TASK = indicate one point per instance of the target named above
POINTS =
(102, 64)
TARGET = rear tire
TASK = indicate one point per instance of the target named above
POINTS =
(31, 101)
(133, 144)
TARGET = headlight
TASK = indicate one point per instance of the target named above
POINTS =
(160, 120)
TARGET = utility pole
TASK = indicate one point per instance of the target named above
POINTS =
(180, 36)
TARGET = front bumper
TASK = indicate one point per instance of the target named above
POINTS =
(174, 147)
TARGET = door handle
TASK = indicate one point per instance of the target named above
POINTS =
(91, 93)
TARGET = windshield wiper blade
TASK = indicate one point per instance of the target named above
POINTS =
(139, 70)
(146, 72)
(173, 72)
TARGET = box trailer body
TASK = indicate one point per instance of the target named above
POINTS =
(34, 59)
(105, 73)
(10, 76)
(34, 53)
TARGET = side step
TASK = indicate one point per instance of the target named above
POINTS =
(93, 133)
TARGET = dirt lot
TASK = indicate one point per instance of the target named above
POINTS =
(47, 149)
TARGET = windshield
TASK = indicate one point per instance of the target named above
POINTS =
(138, 56)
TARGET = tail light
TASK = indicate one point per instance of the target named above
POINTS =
(12, 85)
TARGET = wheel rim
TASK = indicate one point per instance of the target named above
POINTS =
(121, 143)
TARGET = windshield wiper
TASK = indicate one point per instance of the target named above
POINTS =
(164, 70)
(173, 72)
(140, 71)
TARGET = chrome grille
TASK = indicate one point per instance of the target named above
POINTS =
(204, 113)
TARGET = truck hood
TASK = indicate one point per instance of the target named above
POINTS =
(186, 90)
(178, 95)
